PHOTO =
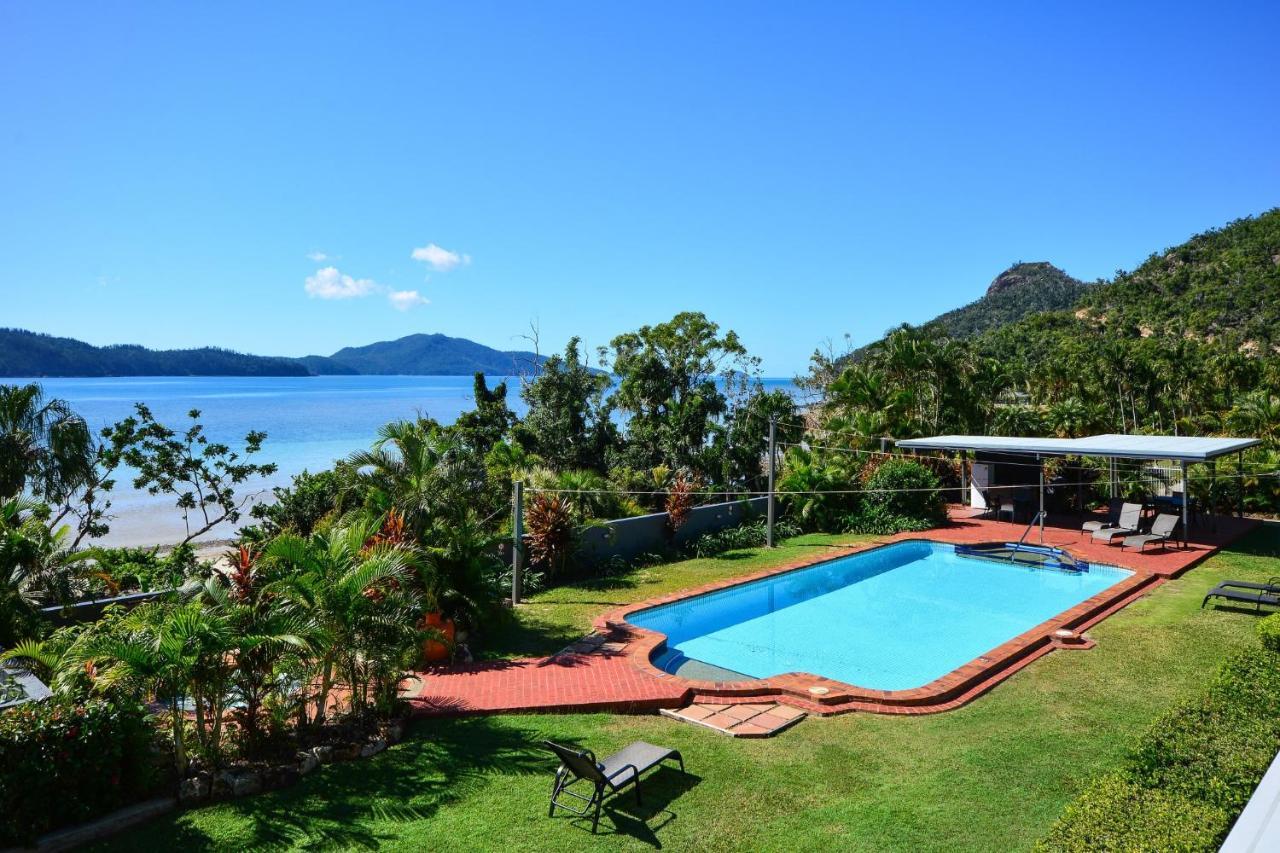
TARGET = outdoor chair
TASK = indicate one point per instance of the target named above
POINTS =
(1245, 595)
(1113, 518)
(1161, 531)
(1272, 585)
(1126, 524)
(615, 773)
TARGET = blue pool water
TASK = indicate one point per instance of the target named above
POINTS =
(892, 618)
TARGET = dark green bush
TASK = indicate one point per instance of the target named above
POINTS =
(1269, 632)
(900, 495)
(62, 764)
(1116, 814)
(142, 569)
(1190, 773)
(749, 534)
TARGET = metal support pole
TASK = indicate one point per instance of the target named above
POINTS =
(517, 541)
(964, 486)
(1041, 461)
(1240, 480)
(1186, 503)
(773, 464)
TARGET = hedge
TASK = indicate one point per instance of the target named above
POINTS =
(62, 764)
(1190, 774)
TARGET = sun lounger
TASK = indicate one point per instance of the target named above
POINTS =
(1272, 585)
(1113, 518)
(1161, 531)
(1255, 597)
(615, 773)
(1126, 524)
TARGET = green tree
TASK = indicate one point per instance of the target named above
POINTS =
(568, 424)
(200, 475)
(667, 387)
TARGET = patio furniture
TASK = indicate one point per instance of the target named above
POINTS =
(1272, 585)
(615, 773)
(1257, 598)
(1161, 531)
(1113, 518)
(1126, 524)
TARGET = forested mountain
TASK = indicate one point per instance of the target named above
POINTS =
(1188, 343)
(30, 354)
(1020, 291)
(1220, 285)
(430, 355)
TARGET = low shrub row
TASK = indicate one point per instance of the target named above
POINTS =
(749, 534)
(62, 764)
(1190, 774)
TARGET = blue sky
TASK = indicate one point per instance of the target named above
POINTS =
(172, 174)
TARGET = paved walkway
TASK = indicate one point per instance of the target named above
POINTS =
(599, 673)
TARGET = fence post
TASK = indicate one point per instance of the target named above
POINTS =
(517, 541)
(773, 457)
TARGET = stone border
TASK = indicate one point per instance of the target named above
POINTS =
(821, 695)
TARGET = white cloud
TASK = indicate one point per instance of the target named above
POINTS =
(403, 300)
(439, 258)
(317, 256)
(329, 283)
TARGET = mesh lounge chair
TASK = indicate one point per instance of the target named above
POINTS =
(1113, 518)
(615, 773)
(1126, 524)
(1161, 531)
(1272, 585)
(1257, 598)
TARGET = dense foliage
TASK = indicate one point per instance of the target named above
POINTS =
(1189, 774)
(63, 763)
(25, 353)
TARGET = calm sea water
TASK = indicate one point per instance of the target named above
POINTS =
(310, 421)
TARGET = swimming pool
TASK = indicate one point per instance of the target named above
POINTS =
(893, 618)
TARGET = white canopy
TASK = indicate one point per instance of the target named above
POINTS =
(1178, 447)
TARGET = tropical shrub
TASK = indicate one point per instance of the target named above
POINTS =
(1189, 774)
(551, 532)
(900, 494)
(301, 506)
(1269, 632)
(121, 570)
(63, 763)
(679, 502)
(749, 534)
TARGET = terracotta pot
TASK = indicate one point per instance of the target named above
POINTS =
(434, 651)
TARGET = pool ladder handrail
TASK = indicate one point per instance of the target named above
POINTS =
(1038, 517)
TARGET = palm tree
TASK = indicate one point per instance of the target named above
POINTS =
(46, 449)
(157, 650)
(338, 582)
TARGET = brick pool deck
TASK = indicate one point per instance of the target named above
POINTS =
(610, 669)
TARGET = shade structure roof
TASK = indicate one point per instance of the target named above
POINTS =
(1177, 447)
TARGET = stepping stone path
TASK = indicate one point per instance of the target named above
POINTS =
(747, 719)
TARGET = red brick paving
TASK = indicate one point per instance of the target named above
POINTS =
(617, 676)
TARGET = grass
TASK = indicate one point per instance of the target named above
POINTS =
(991, 775)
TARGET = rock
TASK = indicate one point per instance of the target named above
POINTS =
(193, 790)
(307, 761)
(394, 732)
(282, 776)
(246, 783)
(323, 754)
(347, 752)
(373, 747)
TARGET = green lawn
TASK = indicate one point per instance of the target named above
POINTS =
(992, 775)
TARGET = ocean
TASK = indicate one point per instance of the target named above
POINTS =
(309, 420)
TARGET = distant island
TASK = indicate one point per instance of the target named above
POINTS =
(30, 354)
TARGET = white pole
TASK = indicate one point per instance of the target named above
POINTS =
(773, 437)
(1041, 461)
(1186, 504)
(517, 540)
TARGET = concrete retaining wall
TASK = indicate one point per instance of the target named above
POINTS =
(628, 537)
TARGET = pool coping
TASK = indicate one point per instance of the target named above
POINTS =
(820, 695)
